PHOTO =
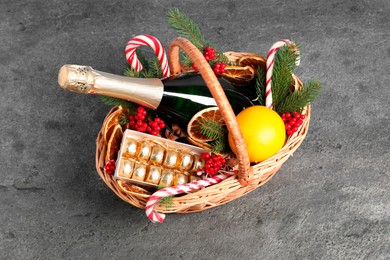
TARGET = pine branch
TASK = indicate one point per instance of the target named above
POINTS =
(219, 145)
(186, 28)
(260, 85)
(155, 70)
(123, 119)
(301, 98)
(165, 201)
(130, 72)
(282, 74)
(212, 129)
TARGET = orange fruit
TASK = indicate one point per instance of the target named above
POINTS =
(114, 143)
(263, 131)
(238, 75)
(194, 127)
(110, 123)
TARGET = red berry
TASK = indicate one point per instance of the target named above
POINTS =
(205, 156)
(302, 116)
(288, 115)
(194, 67)
(289, 132)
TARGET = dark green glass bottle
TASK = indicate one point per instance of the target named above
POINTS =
(179, 98)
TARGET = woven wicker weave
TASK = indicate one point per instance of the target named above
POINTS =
(248, 178)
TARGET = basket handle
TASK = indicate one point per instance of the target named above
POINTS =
(245, 174)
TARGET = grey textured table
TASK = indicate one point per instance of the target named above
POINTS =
(329, 201)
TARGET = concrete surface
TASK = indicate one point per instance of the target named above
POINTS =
(330, 201)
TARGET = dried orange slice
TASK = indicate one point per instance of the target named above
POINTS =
(238, 75)
(254, 61)
(110, 123)
(234, 57)
(133, 189)
(194, 127)
(114, 143)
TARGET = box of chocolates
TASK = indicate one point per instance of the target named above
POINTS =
(153, 161)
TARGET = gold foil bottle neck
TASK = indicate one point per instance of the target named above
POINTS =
(147, 92)
(76, 78)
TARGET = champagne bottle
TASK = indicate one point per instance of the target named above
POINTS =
(179, 98)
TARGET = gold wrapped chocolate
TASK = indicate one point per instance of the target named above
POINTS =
(149, 161)
(171, 159)
(199, 163)
(180, 178)
(130, 147)
(139, 171)
(126, 168)
(145, 148)
(154, 174)
(186, 161)
(157, 155)
(166, 178)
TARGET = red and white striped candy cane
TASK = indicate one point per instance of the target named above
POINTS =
(270, 66)
(147, 40)
(169, 191)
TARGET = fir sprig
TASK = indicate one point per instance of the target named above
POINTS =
(111, 101)
(211, 128)
(284, 97)
(260, 84)
(186, 28)
(216, 131)
(219, 145)
(282, 78)
(300, 98)
(165, 201)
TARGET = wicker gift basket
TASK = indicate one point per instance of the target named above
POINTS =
(245, 178)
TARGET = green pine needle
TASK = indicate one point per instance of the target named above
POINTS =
(123, 119)
(212, 129)
(186, 28)
(283, 96)
(111, 101)
(219, 145)
(301, 98)
(260, 85)
(165, 201)
(282, 74)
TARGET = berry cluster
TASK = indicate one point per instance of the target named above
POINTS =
(213, 164)
(138, 122)
(209, 55)
(109, 168)
(292, 121)
(219, 67)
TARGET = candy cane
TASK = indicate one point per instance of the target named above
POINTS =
(270, 66)
(169, 191)
(146, 40)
